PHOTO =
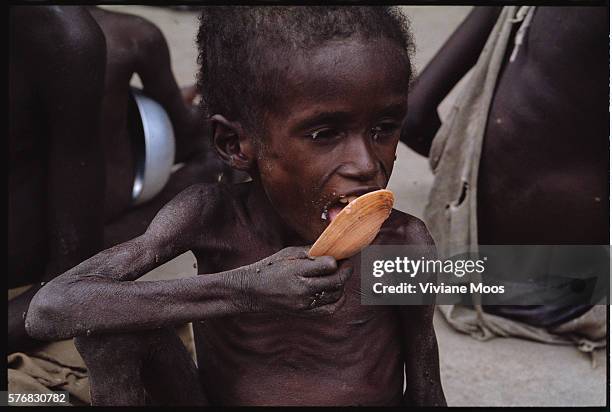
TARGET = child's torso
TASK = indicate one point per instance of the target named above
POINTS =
(352, 357)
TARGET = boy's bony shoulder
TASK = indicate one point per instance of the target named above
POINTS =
(407, 229)
(192, 208)
(203, 199)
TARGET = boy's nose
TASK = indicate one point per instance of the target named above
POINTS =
(361, 163)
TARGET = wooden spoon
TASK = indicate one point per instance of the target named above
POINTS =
(355, 227)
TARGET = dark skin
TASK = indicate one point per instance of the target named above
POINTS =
(77, 68)
(337, 136)
(446, 68)
(533, 156)
(136, 46)
(55, 155)
(544, 169)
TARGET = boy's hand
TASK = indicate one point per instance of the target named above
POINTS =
(290, 281)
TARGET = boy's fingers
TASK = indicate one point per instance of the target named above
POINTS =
(329, 309)
(291, 253)
(319, 266)
(333, 282)
(325, 297)
(345, 272)
(298, 252)
(328, 296)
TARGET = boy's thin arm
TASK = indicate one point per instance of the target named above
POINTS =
(101, 295)
(456, 57)
(420, 347)
(419, 343)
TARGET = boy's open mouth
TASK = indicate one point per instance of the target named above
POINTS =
(330, 212)
(335, 206)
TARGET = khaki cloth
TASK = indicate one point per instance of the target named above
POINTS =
(587, 332)
(57, 366)
(451, 213)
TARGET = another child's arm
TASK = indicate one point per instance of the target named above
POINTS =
(155, 71)
(448, 66)
(67, 52)
(101, 295)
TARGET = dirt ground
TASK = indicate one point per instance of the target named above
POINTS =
(501, 372)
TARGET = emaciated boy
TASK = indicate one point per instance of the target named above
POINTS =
(309, 101)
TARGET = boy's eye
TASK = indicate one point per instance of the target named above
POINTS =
(326, 134)
(383, 130)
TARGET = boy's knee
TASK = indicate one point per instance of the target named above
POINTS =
(124, 366)
(128, 348)
(112, 349)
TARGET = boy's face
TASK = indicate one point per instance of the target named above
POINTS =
(335, 131)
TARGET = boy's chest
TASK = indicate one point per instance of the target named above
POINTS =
(240, 245)
(357, 345)
(245, 248)
(294, 336)
(234, 243)
(235, 246)
(353, 324)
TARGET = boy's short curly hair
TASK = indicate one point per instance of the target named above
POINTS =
(241, 47)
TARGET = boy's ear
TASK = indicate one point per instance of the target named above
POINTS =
(233, 145)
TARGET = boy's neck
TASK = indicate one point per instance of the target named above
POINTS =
(266, 221)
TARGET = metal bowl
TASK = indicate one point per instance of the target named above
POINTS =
(154, 147)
